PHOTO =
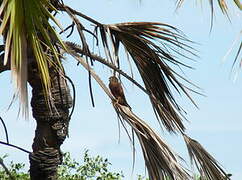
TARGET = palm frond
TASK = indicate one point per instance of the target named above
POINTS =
(222, 4)
(160, 160)
(239, 54)
(79, 50)
(25, 25)
(140, 40)
(208, 166)
(16, 47)
(237, 63)
(238, 57)
(238, 4)
(225, 10)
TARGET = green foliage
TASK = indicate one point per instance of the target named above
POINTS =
(15, 169)
(92, 168)
(142, 178)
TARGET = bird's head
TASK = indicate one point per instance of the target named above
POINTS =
(113, 79)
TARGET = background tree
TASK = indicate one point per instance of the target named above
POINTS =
(89, 169)
(149, 58)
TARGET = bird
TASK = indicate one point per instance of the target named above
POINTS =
(117, 91)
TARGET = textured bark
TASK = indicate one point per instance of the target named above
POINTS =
(52, 124)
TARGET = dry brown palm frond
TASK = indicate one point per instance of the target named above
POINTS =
(208, 166)
(161, 162)
(152, 46)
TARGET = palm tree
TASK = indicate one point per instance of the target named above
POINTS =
(33, 51)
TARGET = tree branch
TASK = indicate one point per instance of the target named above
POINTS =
(17, 147)
(79, 50)
(5, 129)
(66, 8)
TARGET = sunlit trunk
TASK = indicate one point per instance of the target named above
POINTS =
(52, 124)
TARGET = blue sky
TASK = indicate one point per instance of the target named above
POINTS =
(216, 124)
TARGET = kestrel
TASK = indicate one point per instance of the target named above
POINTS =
(117, 91)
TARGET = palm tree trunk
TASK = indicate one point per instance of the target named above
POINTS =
(52, 124)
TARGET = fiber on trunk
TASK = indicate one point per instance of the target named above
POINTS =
(52, 124)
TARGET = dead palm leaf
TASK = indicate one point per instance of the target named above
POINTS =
(208, 166)
(140, 40)
(152, 62)
(161, 162)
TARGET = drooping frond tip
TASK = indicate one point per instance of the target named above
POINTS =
(154, 48)
(161, 162)
(207, 166)
(13, 30)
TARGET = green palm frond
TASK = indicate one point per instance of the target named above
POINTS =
(153, 46)
(27, 32)
(12, 27)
